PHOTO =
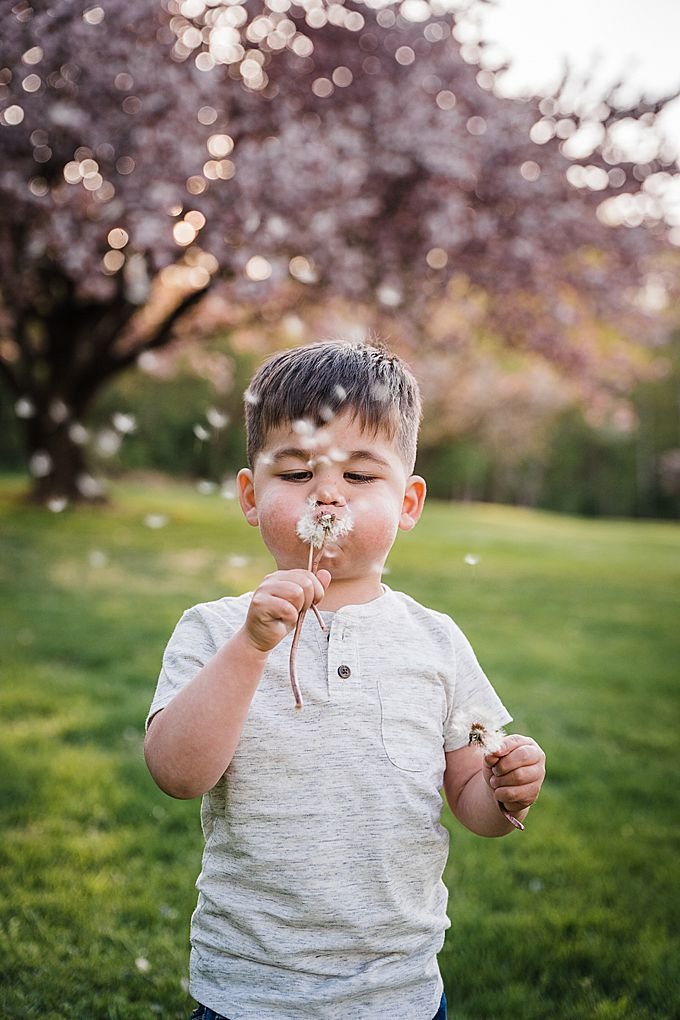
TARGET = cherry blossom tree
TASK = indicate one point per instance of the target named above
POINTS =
(151, 151)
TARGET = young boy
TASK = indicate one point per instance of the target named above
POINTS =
(321, 893)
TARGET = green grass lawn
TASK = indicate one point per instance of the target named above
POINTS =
(576, 621)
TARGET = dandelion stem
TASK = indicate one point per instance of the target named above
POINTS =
(511, 818)
(313, 565)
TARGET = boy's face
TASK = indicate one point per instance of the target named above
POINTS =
(343, 468)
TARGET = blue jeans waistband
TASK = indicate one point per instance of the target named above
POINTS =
(205, 1013)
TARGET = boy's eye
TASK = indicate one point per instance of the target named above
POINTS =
(358, 476)
(296, 476)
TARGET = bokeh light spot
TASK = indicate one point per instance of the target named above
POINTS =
(207, 115)
(530, 170)
(94, 16)
(404, 55)
(258, 269)
(436, 258)
(13, 115)
(322, 87)
(445, 100)
(118, 237)
(184, 233)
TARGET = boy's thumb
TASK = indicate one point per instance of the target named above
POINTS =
(325, 578)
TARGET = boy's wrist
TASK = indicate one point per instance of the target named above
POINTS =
(246, 645)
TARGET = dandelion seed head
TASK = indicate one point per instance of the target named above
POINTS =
(317, 525)
(479, 729)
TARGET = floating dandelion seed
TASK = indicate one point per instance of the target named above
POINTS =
(304, 428)
(24, 408)
(97, 559)
(201, 433)
(216, 418)
(250, 397)
(57, 504)
(471, 560)
(78, 433)
(40, 464)
(317, 526)
(205, 486)
(228, 490)
(124, 423)
(142, 965)
(238, 562)
(156, 521)
(88, 486)
(58, 411)
(482, 732)
(108, 443)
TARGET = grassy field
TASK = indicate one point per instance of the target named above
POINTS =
(576, 621)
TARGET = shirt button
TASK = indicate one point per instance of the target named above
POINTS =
(344, 672)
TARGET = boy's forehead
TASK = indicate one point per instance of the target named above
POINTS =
(344, 433)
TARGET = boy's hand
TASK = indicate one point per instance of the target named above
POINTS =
(516, 772)
(277, 603)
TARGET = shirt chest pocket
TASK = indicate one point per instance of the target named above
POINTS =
(412, 710)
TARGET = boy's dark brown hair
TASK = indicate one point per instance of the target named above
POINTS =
(317, 381)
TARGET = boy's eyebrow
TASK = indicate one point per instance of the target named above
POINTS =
(296, 453)
(368, 455)
(291, 451)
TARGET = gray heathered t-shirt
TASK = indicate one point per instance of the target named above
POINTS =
(321, 893)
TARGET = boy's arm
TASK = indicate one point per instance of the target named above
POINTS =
(190, 743)
(475, 784)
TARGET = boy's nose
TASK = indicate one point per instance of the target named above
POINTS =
(328, 495)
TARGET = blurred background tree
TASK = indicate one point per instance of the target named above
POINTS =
(187, 185)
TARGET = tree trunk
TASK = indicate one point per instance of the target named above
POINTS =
(58, 465)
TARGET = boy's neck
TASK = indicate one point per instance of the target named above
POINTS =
(351, 592)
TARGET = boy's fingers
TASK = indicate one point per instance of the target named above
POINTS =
(518, 777)
(515, 752)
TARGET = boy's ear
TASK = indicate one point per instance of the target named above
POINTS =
(246, 496)
(414, 500)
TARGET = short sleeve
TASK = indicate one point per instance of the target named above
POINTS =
(473, 695)
(189, 648)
